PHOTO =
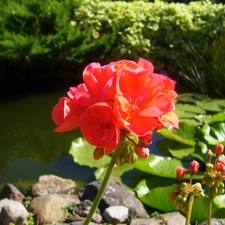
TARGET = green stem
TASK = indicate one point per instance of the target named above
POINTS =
(190, 204)
(103, 187)
(210, 205)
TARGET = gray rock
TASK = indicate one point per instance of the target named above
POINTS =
(96, 218)
(116, 214)
(174, 218)
(11, 192)
(115, 194)
(215, 222)
(48, 208)
(51, 184)
(15, 212)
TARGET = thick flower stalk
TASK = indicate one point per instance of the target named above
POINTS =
(117, 107)
(184, 193)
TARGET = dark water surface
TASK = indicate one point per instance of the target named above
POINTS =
(28, 145)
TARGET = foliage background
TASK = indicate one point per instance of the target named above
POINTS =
(54, 40)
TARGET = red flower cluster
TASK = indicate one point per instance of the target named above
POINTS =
(122, 96)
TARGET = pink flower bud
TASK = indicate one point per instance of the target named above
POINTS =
(147, 139)
(220, 167)
(180, 173)
(219, 149)
(142, 151)
(194, 165)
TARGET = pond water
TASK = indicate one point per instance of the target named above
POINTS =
(28, 145)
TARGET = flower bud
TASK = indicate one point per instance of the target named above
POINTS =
(180, 173)
(219, 149)
(98, 153)
(121, 159)
(142, 151)
(147, 139)
(220, 167)
(209, 154)
(132, 157)
(194, 165)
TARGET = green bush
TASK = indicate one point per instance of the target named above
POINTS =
(45, 34)
(68, 32)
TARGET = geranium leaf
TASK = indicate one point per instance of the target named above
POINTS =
(82, 153)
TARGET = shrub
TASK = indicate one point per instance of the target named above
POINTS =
(68, 32)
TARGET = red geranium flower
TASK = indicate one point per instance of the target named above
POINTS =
(66, 115)
(99, 126)
(140, 100)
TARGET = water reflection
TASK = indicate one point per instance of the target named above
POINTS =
(28, 145)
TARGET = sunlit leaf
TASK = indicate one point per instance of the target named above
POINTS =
(158, 198)
(82, 153)
(214, 136)
(219, 201)
(203, 118)
(219, 117)
(158, 165)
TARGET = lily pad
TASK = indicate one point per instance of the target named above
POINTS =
(82, 153)
(190, 108)
(191, 97)
(215, 105)
(158, 165)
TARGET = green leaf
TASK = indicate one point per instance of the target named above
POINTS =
(180, 151)
(192, 122)
(219, 117)
(189, 108)
(203, 118)
(200, 151)
(219, 201)
(184, 114)
(214, 135)
(82, 153)
(158, 165)
(215, 105)
(157, 198)
(199, 210)
(191, 97)
(182, 135)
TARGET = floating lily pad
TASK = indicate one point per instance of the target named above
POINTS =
(190, 108)
(82, 153)
(158, 165)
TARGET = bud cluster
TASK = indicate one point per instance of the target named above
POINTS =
(215, 173)
(132, 147)
(182, 192)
